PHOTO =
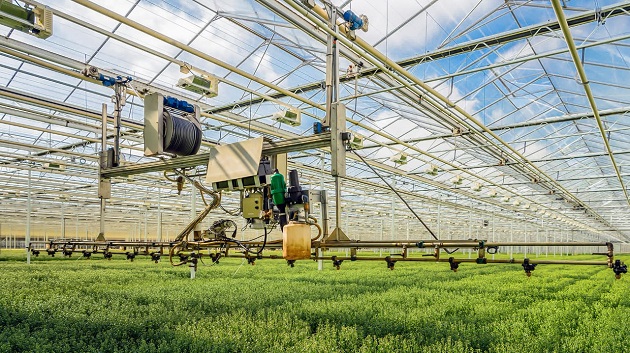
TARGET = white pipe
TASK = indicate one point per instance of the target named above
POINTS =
(159, 216)
(27, 239)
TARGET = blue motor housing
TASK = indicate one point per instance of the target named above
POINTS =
(353, 19)
(179, 104)
(109, 81)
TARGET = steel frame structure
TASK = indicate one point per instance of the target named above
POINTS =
(526, 128)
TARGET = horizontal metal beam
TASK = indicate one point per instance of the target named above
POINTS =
(542, 160)
(523, 124)
(269, 148)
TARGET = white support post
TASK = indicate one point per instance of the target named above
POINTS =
(347, 229)
(63, 220)
(392, 229)
(159, 216)
(380, 251)
(146, 224)
(553, 238)
(323, 212)
(525, 248)
(28, 220)
(470, 232)
(193, 270)
(493, 233)
(103, 161)
(439, 221)
(511, 240)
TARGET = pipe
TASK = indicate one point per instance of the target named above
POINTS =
(568, 38)
(394, 258)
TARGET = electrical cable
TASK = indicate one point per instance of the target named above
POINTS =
(401, 199)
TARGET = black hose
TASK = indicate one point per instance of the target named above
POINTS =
(247, 249)
(181, 136)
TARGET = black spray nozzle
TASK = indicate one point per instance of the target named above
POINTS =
(294, 181)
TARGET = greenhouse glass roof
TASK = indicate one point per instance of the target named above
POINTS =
(488, 94)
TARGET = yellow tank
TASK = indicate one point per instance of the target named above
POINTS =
(296, 241)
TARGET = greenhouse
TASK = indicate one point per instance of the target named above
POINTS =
(314, 175)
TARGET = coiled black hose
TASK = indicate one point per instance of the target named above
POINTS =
(181, 136)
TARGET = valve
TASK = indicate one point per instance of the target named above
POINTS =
(108, 255)
(51, 252)
(67, 253)
(619, 268)
(528, 267)
(87, 254)
(291, 263)
(454, 264)
(35, 252)
(155, 257)
(183, 258)
(336, 263)
(390, 263)
(251, 260)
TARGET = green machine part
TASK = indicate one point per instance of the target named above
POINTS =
(9, 12)
(278, 188)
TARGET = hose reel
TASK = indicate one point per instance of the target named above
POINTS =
(171, 126)
(182, 136)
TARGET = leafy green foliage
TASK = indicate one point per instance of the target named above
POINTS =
(80, 305)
